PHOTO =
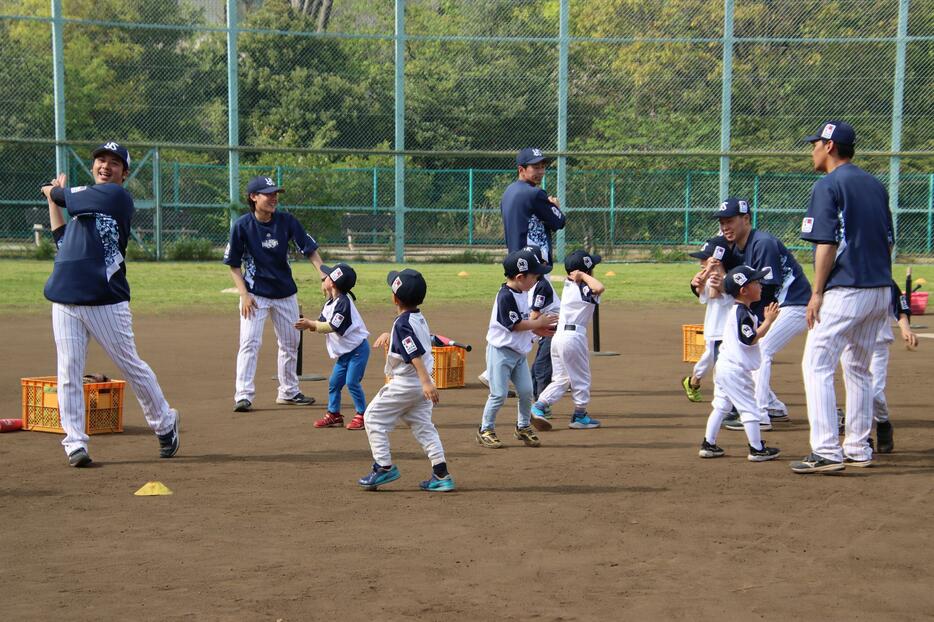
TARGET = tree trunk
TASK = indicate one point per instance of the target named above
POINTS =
(324, 15)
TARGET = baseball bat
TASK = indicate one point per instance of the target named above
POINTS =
(908, 286)
(441, 340)
(301, 333)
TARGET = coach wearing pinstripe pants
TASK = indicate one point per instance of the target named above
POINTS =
(850, 224)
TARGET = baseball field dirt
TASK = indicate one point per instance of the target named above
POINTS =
(625, 522)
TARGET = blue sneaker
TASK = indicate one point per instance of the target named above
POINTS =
(379, 476)
(438, 484)
(546, 412)
(583, 422)
(539, 420)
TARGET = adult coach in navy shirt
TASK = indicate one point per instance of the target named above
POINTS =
(91, 298)
(530, 216)
(784, 283)
(850, 225)
(258, 256)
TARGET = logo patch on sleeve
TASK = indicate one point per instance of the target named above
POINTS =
(336, 320)
(807, 225)
(718, 252)
(556, 211)
(77, 189)
(768, 274)
(408, 344)
(514, 317)
(748, 331)
(540, 300)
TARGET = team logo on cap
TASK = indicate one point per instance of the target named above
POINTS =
(718, 252)
(827, 132)
(522, 265)
(743, 207)
(537, 153)
(723, 206)
(588, 262)
(269, 181)
(396, 285)
(336, 273)
(807, 225)
(111, 146)
(740, 279)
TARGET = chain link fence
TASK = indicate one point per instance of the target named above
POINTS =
(393, 125)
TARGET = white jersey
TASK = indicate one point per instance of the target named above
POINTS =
(349, 330)
(577, 305)
(543, 297)
(715, 315)
(739, 348)
(509, 308)
(410, 338)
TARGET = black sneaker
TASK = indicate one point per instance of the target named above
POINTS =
(857, 463)
(79, 458)
(710, 451)
(296, 400)
(168, 442)
(884, 437)
(813, 463)
(243, 406)
(764, 454)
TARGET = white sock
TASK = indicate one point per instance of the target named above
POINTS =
(752, 433)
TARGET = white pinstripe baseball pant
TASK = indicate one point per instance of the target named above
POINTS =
(284, 312)
(112, 327)
(791, 322)
(850, 321)
(879, 369)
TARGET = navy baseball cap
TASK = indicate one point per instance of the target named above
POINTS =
(732, 207)
(581, 260)
(715, 247)
(531, 155)
(344, 276)
(839, 132)
(524, 261)
(115, 148)
(262, 185)
(408, 285)
(739, 276)
(539, 252)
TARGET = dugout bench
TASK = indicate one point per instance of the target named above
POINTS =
(364, 228)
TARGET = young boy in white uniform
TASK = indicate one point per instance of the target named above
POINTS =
(738, 358)
(570, 354)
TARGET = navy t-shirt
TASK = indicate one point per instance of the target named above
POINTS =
(764, 251)
(89, 266)
(850, 208)
(529, 217)
(262, 249)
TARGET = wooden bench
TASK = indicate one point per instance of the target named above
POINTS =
(362, 225)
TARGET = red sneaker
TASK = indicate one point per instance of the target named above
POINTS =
(330, 420)
(356, 423)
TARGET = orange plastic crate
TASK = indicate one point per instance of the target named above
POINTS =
(103, 405)
(693, 342)
(449, 366)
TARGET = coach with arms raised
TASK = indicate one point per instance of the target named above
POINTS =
(530, 216)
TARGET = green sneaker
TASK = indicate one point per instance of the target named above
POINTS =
(693, 393)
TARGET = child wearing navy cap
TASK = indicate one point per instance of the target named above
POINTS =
(570, 354)
(738, 358)
(346, 338)
(509, 340)
(410, 395)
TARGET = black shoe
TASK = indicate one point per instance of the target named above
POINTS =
(709, 451)
(813, 463)
(884, 437)
(79, 458)
(168, 442)
(764, 454)
(296, 400)
(243, 406)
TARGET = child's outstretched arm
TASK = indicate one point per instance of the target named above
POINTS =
(382, 341)
(428, 387)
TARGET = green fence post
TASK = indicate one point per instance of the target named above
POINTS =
(755, 201)
(726, 99)
(898, 100)
(279, 175)
(375, 189)
(176, 184)
(470, 207)
(612, 211)
(157, 192)
(58, 85)
(233, 113)
(399, 54)
(930, 208)
(687, 208)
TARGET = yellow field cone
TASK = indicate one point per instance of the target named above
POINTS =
(463, 273)
(610, 273)
(153, 489)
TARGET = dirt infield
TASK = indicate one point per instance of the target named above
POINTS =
(624, 522)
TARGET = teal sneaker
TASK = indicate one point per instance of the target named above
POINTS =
(583, 422)
(539, 420)
(438, 484)
(546, 412)
(379, 476)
